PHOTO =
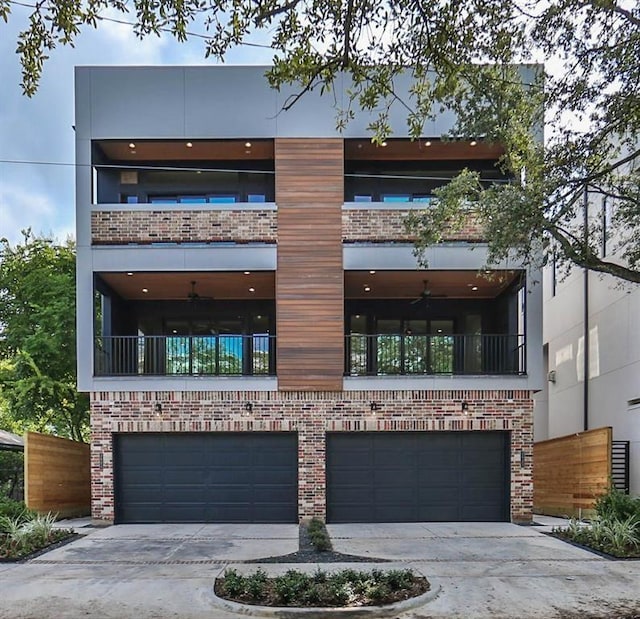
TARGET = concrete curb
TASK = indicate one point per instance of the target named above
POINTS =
(283, 612)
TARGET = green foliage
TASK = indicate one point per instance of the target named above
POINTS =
(11, 474)
(294, 588)
(459, 55)
(38, 350)
(616, 505)
(318, 535)
(14, 509)
(256, 585)
(27, 532)
(234, 584)
(615, 530)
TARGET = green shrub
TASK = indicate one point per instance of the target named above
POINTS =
(255, 584)
(398, 579)
(14, 509)
(318, 535)
(616, 505)
(294, 588)
(234, 584)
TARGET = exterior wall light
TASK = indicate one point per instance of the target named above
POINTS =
(374, 407)
(248, 407)
(158, 408)
(465, 407)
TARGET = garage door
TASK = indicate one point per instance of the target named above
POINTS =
(219, 477)
(417, 477)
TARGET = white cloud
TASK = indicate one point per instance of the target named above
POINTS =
(22, 208)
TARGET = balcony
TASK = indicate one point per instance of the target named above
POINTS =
(191, 355)
(404, 355)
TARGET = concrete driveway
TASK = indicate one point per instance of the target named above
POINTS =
(164, 571)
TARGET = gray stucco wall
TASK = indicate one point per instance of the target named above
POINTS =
(232, 102)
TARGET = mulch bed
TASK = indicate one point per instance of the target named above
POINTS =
(306, 553)
(62, 539)
(635, 556)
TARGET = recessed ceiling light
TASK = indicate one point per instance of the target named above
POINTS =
(383, 143)
(145, 290)
(252, 289)
(247, 272)
(367, 288)
(129, 274)
(439, 330)
(132, 145)
(473, 143)
(247, 144)
(174, 331)
(474, 288)
(259, 317)
(189, 144)
(372, 272)
(427, 143)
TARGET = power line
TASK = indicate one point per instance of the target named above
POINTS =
(124, 22)
(410, 177)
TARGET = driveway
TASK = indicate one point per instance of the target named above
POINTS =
(164, 571)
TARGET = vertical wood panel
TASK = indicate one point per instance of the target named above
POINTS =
(570, 472)
(309, 278)
(57, 476)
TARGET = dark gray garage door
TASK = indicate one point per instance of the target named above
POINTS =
(219, 477)
(417, 477)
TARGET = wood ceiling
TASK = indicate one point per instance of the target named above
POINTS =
(173, 150)
(381, 284)
(421, 150)
(354, 149)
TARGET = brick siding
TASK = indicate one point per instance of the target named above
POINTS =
(311, 415)
(381, 225)
(255, 226)
(193, 226)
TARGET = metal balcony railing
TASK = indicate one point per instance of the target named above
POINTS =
(185, 355)
(391, 354)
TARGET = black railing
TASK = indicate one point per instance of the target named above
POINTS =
(185, 355)
(389, 354)
(620, 465)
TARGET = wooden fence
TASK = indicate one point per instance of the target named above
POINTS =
(570, 472)
(57, 475)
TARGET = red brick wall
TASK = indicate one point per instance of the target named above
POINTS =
(193, 226)
(312, 415)
(380, 225)
(240, 226)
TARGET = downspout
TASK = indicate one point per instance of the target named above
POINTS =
(585, 396)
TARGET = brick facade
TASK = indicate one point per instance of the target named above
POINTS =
(311, 415)
(249, 226)
(385, 225)
(192, 226)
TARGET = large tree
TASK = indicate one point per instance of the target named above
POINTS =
(37, 343)
(461, 55)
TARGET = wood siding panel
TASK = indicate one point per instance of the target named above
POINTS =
(309, 279)
(570, 472)
(57, 475)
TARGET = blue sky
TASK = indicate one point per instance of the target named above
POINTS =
(41, 197)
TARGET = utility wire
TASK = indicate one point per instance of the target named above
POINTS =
(124, 22)
(231, 170)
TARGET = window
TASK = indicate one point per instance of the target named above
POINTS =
(256, 197)
(222, 199)
(607, 221)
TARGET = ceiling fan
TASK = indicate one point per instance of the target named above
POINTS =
(193, 296)
(426, 293)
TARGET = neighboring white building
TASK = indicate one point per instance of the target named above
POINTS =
(611, 394)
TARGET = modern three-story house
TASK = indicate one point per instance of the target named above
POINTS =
(258, 339)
